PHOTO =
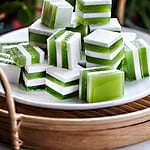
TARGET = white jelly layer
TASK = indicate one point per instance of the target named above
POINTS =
(36, 68)
(39, 28)
(93, 15)
(64, 75)
(33, 82)
(95, 2)
(107, 38)
(113, 25)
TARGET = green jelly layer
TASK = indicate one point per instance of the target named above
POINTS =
(143, 62)
(105, 61)
(102, 49)
(53, 17)
(34, 88)
(49, 14)
(64, 51)
(93, 8)
(36, 75)
(105, 87)
(87, 21)
(128, 66)
(17, 56)
(53, 79)
(45, 11)
(38, 38)
(58, 95)
(34, 54)
(83, 93)
(52, 48)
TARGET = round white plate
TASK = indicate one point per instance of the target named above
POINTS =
(133, 90)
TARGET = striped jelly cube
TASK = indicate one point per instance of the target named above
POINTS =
(25, 54)
(56, 14)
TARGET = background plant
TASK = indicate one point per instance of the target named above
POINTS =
(17, 13)
(137, 14)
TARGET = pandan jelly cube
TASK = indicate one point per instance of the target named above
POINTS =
(101, 84)
(93, 12)
(83, 79)
(25, 54)
(56, 14)
(64, 49)
(136, 63)
(105, 85)
(51, 47)
(62, 83)
(33, 76)
(104, 47)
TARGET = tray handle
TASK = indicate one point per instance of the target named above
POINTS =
(15, 119)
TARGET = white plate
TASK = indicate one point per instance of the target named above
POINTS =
(133, 90)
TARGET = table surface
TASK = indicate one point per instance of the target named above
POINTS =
(140, 146)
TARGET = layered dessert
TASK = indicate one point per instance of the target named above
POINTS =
(101, 84)
(93, 11)
(33, 76)
(64, 35)
(26, 54)
(136, 63)
(64, 49)
(56, 13)
(62, 83)
(106, 49)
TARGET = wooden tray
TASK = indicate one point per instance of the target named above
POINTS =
(41, 128)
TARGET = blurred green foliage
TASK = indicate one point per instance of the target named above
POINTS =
(136, 11)
(137, 14)
(23, 10)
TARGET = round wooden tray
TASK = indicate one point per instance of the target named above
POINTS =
(79, 129)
